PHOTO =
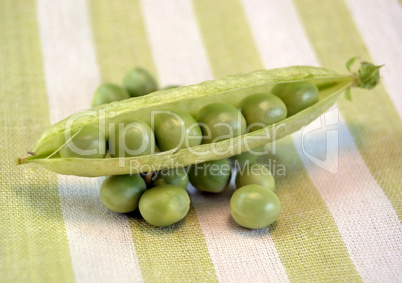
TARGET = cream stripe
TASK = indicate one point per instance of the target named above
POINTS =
(100, 241)
(365, 218)
(380, 25)
(278, 33)
(175, 42)
(234, 258)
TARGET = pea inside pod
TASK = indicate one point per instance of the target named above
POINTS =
(131, 138)
(297, 96)
(191, 99)
(262, 109)
(220, 121)
(175, 129)
(86, 142)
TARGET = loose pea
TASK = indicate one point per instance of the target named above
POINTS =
(297, 96)
(248, 157)
(262, 109)
(175, 176)
(131, 138)
(139, 82)
(164, 205)
(121, 193)
(255, 174)
(86, 142)
(176, 129)
(254, 207)
(220, 121)
(212, 176)
(107, 93)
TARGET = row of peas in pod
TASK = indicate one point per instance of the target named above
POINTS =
(161, 197)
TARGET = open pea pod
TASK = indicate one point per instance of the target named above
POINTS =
(231, 89)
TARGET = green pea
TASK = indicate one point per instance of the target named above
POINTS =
(164, 205)
(255, 174)
(107, 93)
(212, 176)
(139, 82)
(297, 96)
(254, 207)
(121, 193)
(86, 142)
(261, 110)
(220, 121)
(248, 157)
(131, 138)
(175, 176)
(175, 130)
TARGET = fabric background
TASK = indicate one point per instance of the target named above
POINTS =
(343, 226)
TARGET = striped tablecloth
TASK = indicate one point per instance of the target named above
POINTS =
(341, 217)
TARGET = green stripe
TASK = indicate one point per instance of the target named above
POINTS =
(308, 241)
(120, 36)
(306, 236)
(33, 242)
(227, 37)
(177, 253)
(371, 117)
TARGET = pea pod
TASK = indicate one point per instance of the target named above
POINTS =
(191, 99)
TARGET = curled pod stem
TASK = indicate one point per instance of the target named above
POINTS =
(366, 76)
(191, 99)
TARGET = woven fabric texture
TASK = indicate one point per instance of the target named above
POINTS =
(341, 191)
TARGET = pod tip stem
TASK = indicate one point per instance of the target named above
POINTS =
(367, 75)
(21, 159)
